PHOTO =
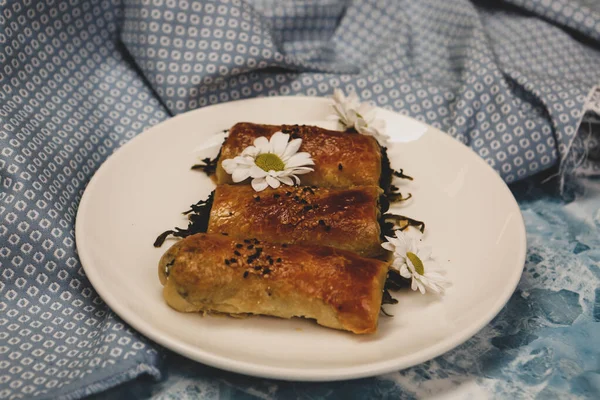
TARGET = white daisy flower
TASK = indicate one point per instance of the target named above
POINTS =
(413, 260)
(270, 162)
(366, 124)
(351, 113)
(345, 108)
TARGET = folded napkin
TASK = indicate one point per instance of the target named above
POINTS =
(80, 78)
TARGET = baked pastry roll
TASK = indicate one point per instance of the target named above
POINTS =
(216, 273)
(343, 218)
(341, 159)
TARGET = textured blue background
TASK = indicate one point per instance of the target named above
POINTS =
(79, 78)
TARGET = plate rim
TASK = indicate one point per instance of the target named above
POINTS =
(146, 329)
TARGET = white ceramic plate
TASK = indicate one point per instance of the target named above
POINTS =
(473, 224)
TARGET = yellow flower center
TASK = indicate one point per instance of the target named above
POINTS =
(269, 162)
(416, 262)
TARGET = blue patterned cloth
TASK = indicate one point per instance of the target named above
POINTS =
(78, 79)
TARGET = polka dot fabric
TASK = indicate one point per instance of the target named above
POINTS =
(509, 84)
(78, 78)
(68, 99)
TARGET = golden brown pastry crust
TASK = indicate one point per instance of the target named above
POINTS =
(215, 273)
(343, 218)
(341, 159)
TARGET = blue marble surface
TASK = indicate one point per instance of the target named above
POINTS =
(544, 344)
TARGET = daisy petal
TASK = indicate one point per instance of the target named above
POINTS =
(435, 276)
(338, 95)
(390, 239)
(273, 182)
(251, 151)
(413, 284)
(292, 148)
(299, 160)
(279, 142)
(301, 170)
(259, 184)
(352, 100)
(240, 174)
(257, 172)
(404, 272)
(244, 160)
(367, 111)
(435, 288)
(262, 144)
(286, 180)
(388, 246)
(342, 113)
(229, 165)
(398, 263)
(401, 248)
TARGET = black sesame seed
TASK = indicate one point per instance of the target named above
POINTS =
(250, 247)
(239, 245)
(257, 267)
(303, 201)
(247, 241)
(277, 195)
(308, 208)
(321, 222)
(296, 198)
(266, 271)
(284, 245)
(224, 233)
(233, 260)
(257, 198)
(246, 274)
(288, 193)
(226, 262)
(237, 253)
(340, 167)
(270, 261)
(278, 260)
